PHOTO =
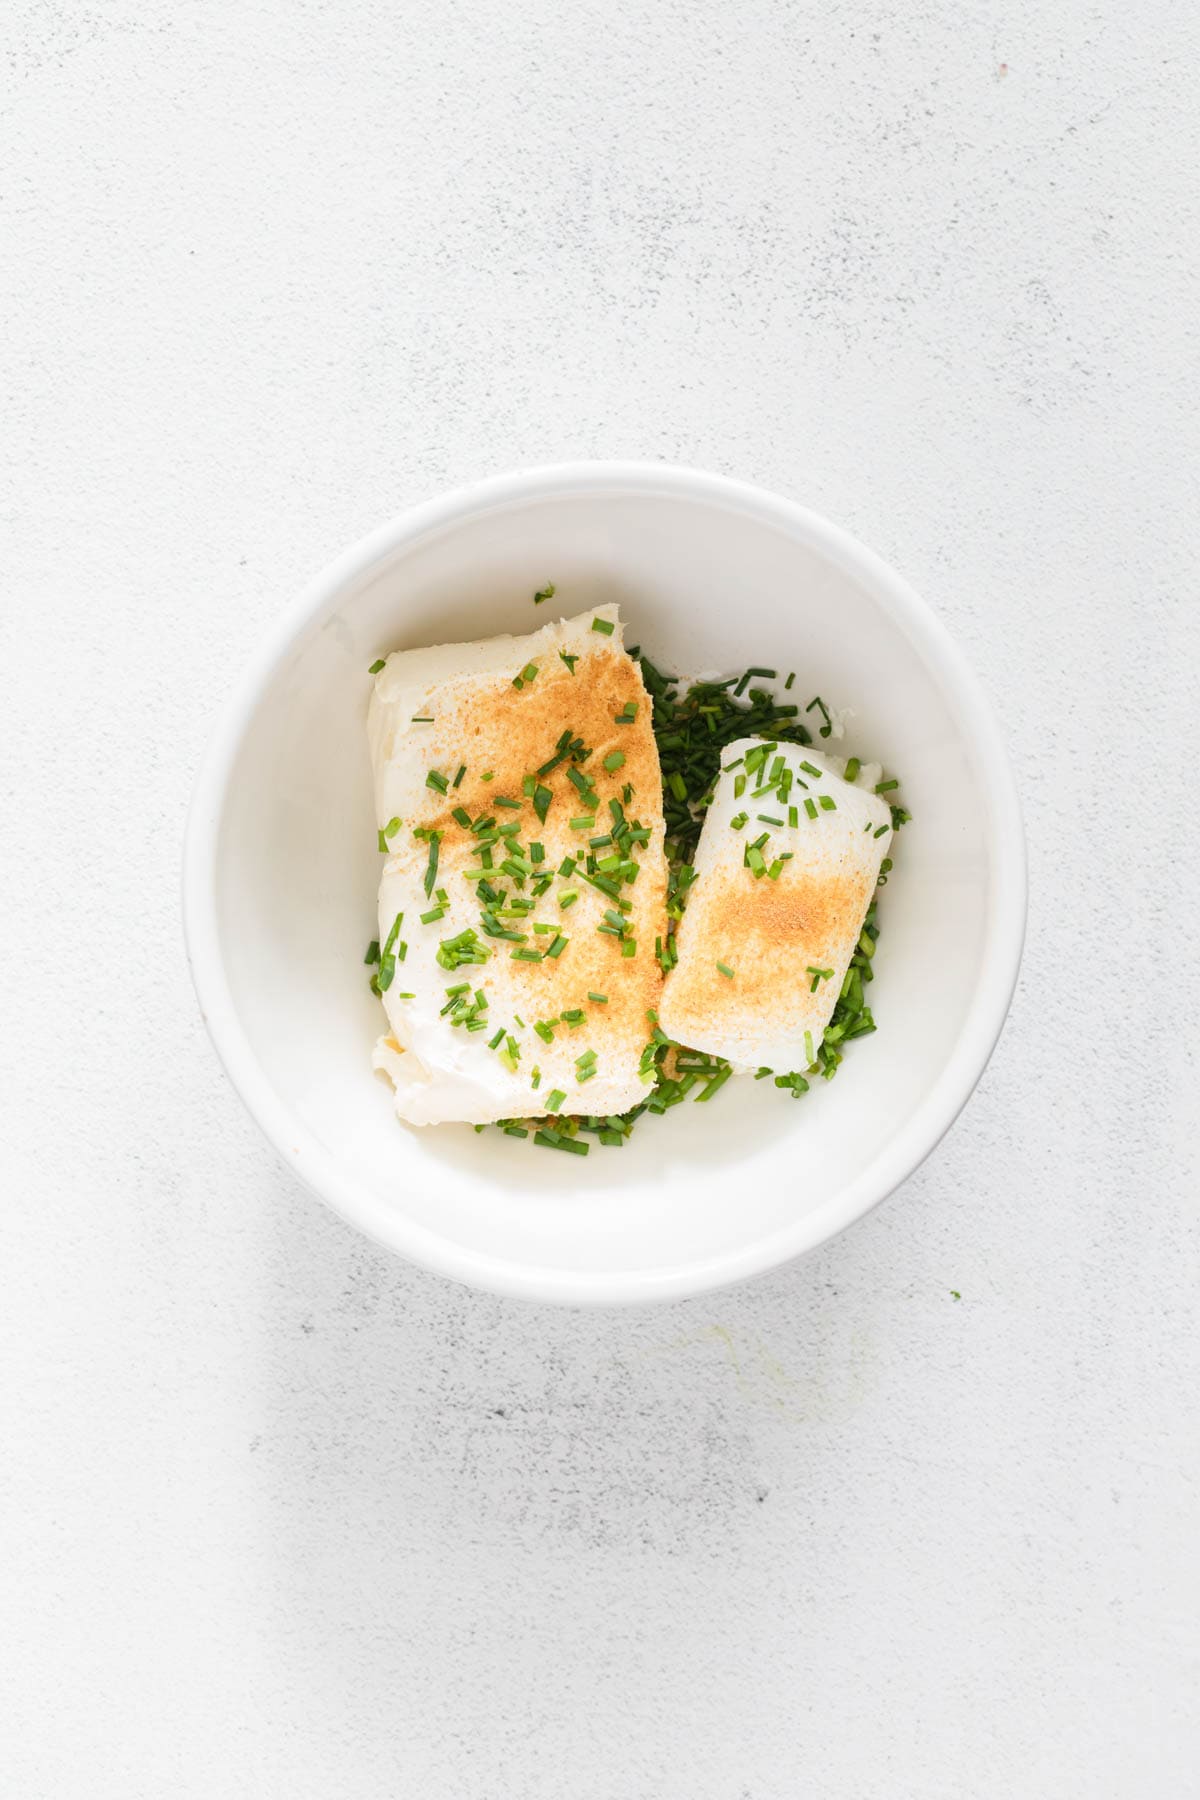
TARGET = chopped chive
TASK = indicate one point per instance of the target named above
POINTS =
(629, 948)
(553, 1141)
(376, 665)
(627, 714)
(885, 787)
(462, 769)
(766, 819)
(827, 727)
(392, 827)
(422, 719)
(554, 1099)
(852, 768)
(810, 770)
(558, 946)
(726, 971)
(503, 800)
(718, 1081)
(542, 796)
(546, 593)
(384, 846)
(487, 775)
(524, 955)
(435, 838)
(738, 820)
(436, 780)
(600, 999)
(881, 830)
(462, 817)
(616, 760)
(569, 899)
(603, 625)
(793, 816)
(514, 1131)
(569, 660)
(677, 785)
(790, 679)
(372, 955)
(498, 1039)
(582, 824)
(828, 803)
(818, 976)
(810, 807)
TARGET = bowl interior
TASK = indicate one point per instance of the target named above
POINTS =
(705, 584)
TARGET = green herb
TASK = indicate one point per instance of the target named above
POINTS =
(453, 952)
(487, 775)
(436, 780)
(542, 796)
(821, 707)
(738, 820)
(546, 593)
(614, 761)
(554, 1100)
(554, 1141)
(810, 807)
(818, 976)
(725, 970)
(603, 625)
(569, 660)
(852, 768)
(462, 769)
(885, 787)
(600, 999)
(790, 679)
(431, 867)
(422, 719)
(528, 674)
(627, 714)
(377, 665)
(372, 955)
(810, 769)
(828, 803)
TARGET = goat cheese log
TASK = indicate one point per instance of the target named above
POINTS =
(518, 959)
(786, 868)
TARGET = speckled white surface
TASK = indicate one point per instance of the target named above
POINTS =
(284, 1517)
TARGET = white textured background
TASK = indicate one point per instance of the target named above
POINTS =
(282, 1517)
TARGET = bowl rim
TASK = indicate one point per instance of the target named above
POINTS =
(903, 1153)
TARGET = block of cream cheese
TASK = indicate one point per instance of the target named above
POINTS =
(784, 925)
(518, 978)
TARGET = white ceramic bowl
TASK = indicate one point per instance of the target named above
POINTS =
(281, 872)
